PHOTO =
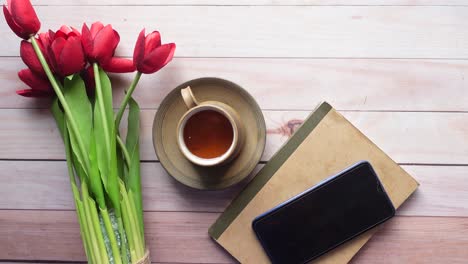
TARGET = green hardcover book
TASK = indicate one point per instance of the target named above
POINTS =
(325, 144)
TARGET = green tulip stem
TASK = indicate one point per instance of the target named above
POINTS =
(127, 97)
(100, 99)
(105, 124)
(90, 225)
(58, 91)
(131, 227)
(111, 235)
(124, 150)
(76, 195)
(97, 229)
(123, 240)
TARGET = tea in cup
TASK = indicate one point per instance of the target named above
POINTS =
(209, 133)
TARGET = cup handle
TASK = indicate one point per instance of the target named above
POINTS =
(189, 98)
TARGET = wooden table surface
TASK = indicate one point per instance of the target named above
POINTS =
(396, 69)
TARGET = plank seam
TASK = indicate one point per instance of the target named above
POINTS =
(214, 212)
(203, 212)
(296, 58)
(260, 163)
(294, 110)
(39, 261)
(259, 5)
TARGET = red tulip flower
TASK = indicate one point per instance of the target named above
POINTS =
(29, 57)
(40, 87)
(65, 52)
(149, 55)
(21, 18)
(44, 40)
(99, 44)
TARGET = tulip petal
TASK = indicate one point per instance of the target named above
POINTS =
(29, 57)
(118, 65)
(44, 39)
(34, 81)
(86, 40)
(14, 27)
(65, 29)
(44, 43)
(25, 17)
(32, 93)
(71, 58)
(62, 32)
(51, 34)
(75, 32)
(95, 28)
(139, 51)
(157, 59)
(57, 47)
(104, 44)
(52, 60)
(54, 52)
(152, 41)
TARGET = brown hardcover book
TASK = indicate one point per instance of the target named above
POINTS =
(324, 145)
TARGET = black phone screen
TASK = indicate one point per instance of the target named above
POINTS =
(324, 216)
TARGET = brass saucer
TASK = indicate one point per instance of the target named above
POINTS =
(209, 178)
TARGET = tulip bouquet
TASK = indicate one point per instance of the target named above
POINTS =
(71, 67)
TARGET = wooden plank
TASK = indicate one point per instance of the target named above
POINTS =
(44, 185)
(60, 262)
(416, 137)
(348, 84)
(407, 137)
(440, 192)
(172, 237)
(418, 240)
(42, 262)
(287, 31)
(65, 262)
(182, 237)
(251, 2)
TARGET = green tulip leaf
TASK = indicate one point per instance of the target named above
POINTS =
(113, 179)
(95, 179)
(103, 132)
(81, 110)
(102, 154)
(58, 116)
(133, 179)
(105, 138)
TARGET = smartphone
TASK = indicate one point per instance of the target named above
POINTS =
(324, 216)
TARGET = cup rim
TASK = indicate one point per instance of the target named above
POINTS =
(199, 160)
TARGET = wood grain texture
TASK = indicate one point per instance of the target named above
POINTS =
(45, 186)
(172, 237)
(286, 31)
(181, 237)
(348, 84)
(64, 262)
(402, 62)
(433, 240)
(407, 137)
(41, 262)
(251, 2)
